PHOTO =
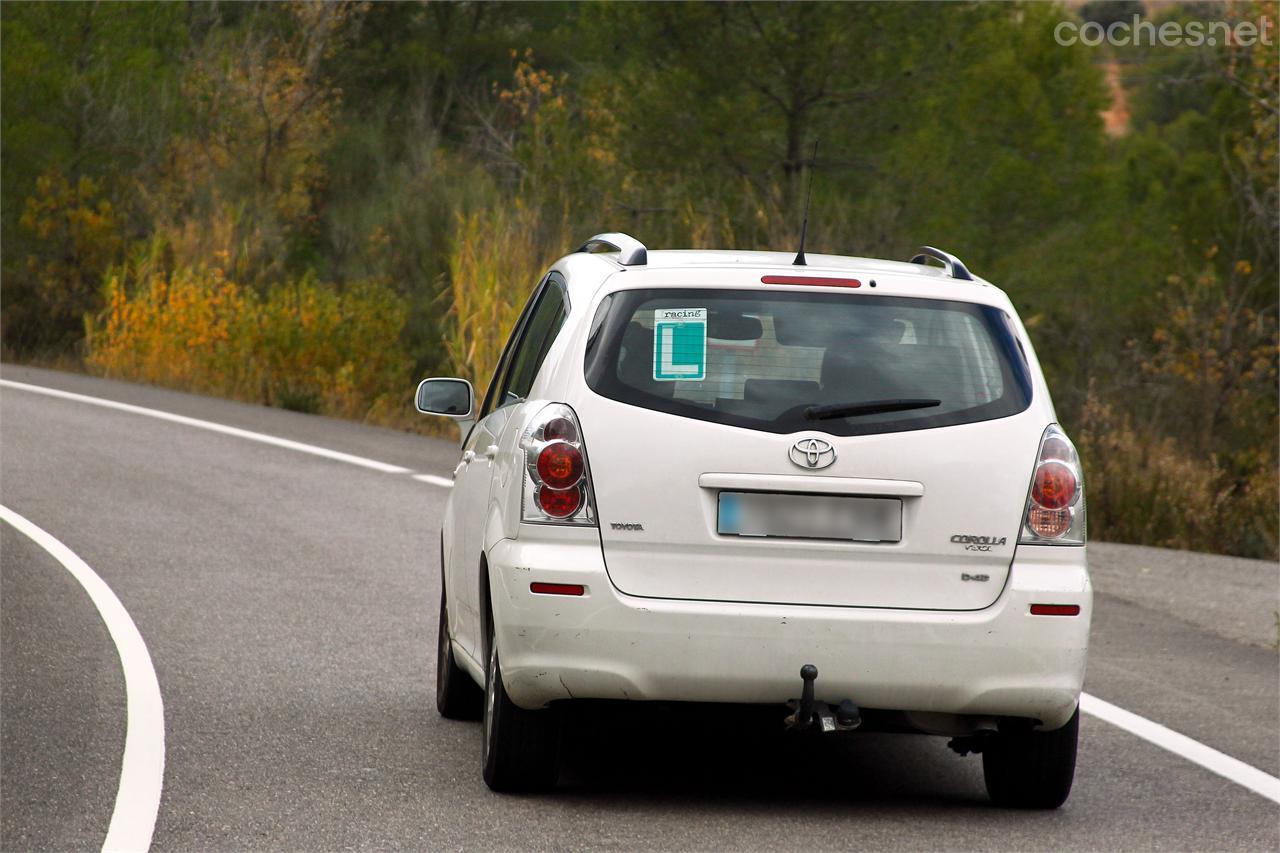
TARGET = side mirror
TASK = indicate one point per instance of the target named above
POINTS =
(452, 398)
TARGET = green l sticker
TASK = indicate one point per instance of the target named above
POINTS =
(679, 344)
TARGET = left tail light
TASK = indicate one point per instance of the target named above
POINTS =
(557, 480)
(1055, 511)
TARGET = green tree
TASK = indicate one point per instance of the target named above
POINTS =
(89, 92)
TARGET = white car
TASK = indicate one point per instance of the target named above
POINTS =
(711, 476)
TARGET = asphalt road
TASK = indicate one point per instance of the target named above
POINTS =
(289, 606)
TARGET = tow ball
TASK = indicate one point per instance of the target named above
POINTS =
(809, 714)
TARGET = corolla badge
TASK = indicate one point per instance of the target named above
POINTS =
(812, 453)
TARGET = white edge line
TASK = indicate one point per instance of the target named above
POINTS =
(211, 426)
(434, 480)
(142, 767)
(1179, 744)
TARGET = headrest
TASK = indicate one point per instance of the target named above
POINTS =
(636, 366)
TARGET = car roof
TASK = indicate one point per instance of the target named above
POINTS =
(667, 258)
(586, 272)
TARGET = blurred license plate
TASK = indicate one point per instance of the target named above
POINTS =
(810, 516)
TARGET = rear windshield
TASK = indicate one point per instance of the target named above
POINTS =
(785, 361)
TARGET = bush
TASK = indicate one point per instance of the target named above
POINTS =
(1150, 490)
(303, 345)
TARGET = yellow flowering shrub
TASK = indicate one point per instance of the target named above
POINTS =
(302, 345)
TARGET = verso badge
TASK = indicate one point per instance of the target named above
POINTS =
(812, 453)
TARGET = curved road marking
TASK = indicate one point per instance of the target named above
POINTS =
(1179, 744)
(212, 427)
(142, 767)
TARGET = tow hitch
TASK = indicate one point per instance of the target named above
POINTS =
(809, 714)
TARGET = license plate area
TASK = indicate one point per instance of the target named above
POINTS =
(797, 516)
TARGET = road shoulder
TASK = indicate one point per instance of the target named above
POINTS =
(1231, 597)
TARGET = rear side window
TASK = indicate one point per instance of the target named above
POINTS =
(544, 323)
(784, 361)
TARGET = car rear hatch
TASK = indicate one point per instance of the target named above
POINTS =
(728, 465)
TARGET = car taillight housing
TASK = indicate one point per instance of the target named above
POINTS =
(557, 481)
(1055, 511)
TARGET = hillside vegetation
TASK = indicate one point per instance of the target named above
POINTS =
(312, 205)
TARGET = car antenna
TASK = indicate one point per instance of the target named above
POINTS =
(804, 226)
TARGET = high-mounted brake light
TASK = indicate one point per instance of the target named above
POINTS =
(812, 281)
(557, 481)
(1055, 510)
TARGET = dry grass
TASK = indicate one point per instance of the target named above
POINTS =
(497, 258)
(1149, 490)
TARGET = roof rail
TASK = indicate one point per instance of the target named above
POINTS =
(953, 265)
(631, 252)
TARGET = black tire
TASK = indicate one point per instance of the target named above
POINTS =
(458, 697)
(1032, 769)
(521, 749)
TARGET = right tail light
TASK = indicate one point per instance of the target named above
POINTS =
(1055, 512)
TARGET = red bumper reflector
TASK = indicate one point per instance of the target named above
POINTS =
(557, 588)
(1055, 610)
(810, 280)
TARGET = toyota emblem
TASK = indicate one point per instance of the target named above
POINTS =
(812, 453)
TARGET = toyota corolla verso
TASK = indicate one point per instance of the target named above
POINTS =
(703, 476)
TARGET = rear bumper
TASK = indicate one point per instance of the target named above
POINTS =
(999, 661)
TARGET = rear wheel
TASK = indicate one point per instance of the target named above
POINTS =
(521, 749)
(458, 697)
(1030, 769)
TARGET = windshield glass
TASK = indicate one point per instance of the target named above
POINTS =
(767, 360)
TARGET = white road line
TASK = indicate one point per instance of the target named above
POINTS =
(142, 768)
(212, 427)
(434, 480)
(1179, 744)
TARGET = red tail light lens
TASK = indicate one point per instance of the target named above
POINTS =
(560, 465)
(559, 503)
(1056, 447)
(1055, 510)
(560, 429)
(1054, 486)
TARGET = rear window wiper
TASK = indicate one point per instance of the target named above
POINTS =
(869, 407)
